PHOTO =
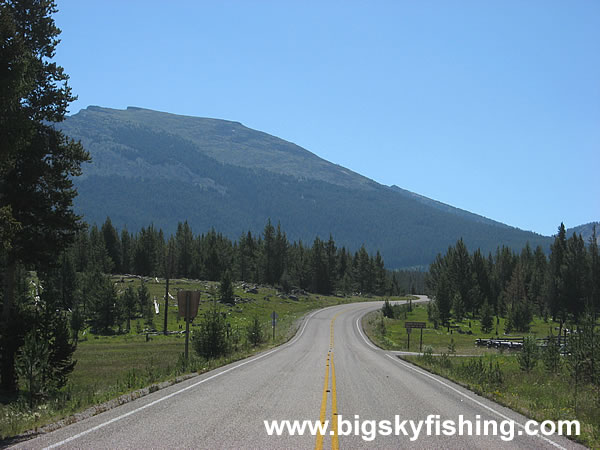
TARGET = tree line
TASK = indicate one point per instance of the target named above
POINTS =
(563, 285)
(268, 258)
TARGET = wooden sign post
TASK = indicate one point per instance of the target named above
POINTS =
(188, 301)
(409, 326)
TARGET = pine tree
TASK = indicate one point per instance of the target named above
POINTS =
(529, 354)
(458, 307)
(487, 318)
(443, 299)
(320, 275)
(129, 301)
(226, 289)
(32, 362)
(184, 239)
(210, 339)
(113, 245)
(387, 309)
(103, 307)
(145, 305)
(268, 262)
(556, 294)
(519, 311)
(37, 162)
(460, 275)
(126, 252)
(254, 332)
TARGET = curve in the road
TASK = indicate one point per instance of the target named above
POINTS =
(227, 408)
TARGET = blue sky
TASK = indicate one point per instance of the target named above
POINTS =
(493, 107)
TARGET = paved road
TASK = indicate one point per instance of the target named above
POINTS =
(328, 368)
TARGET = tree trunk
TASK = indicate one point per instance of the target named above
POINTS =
(8, 343)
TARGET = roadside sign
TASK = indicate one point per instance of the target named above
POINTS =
(274, 317)
(409, 326)
(187, 302)
(194, 301)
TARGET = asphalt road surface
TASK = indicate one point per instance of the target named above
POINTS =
(328, 370)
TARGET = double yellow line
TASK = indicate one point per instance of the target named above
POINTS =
(334, 437)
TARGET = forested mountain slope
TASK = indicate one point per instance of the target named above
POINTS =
(154, 167)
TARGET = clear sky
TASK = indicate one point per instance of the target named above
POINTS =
(490, 106)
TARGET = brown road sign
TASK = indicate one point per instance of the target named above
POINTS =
(415, 325)
(194, 300)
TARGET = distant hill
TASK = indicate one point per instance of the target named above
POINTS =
(154, 167)
(586, 231)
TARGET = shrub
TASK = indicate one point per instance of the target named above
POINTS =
(528, 357)
(210, 341)
(254, 333)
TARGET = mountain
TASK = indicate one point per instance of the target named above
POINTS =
(586, 231)
(155, 167)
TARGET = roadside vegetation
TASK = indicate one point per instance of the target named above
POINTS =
(543, 381)
(539, 313)
(108, 365)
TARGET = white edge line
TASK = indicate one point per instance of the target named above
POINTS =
(358, 327)
(166, 397)
(498, 413)
(410, 366)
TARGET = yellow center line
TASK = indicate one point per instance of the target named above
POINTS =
(319, 444)
(335, 445)
(323, 413)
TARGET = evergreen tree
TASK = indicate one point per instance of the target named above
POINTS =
(487, 318)
(37, 162)
(145, 305)
(458, 307)
(538, 281)
(226, 289)
(126, 252)
(99, 256)
(280, 253)
(268, 262)
(103, 307)
(387, 309)
(184, 241)
(556, 294)
(551, 355)
(529, 354)
(113, 245)
(481, 290)
(254, 332)
(519, 312)
(31, 365)
(363, 270)
(146, 252)
(129, 302)
(52, 325)
(62, 348)
(575, 276)
(443, 299)
(461, 277)
(320, 275)
(380, 275)
(210, 340)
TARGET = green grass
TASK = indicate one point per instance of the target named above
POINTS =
(538, 394)
(109, 366)
(395, 337)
